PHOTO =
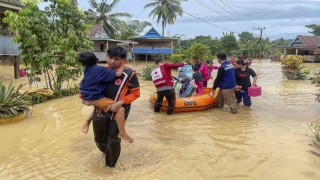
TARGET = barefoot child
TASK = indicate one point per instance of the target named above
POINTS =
(92, 87)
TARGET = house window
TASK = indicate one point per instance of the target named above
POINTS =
(101, 47)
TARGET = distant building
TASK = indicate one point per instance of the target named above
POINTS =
(152, 44)
(306, 46)
(11, 5)
(8, 49)
(102, 42)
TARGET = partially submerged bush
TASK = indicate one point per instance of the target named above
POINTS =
(292, 68)
(176, 58)
(12, 102)
(146, 72)
(315, 129)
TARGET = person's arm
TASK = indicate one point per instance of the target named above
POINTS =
(173, 65)
(254, 76)
(134, 94)
(218, 78)
(214, 67)
(254, 82)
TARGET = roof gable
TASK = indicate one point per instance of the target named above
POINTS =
(308, 41)
(98, 31)
(152, 33)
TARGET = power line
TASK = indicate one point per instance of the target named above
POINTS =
(139, 13)
(208, 22)
(221, 14)
(238, 13)
(247, 24)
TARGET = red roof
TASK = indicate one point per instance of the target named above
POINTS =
(310, 40)
(95, 28)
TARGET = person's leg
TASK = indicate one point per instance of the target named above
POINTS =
(197, 89)
(119, 117)
(238, 97)
(200, 88)
(158, 104)
(246, 99)
(113, 144)
(220, 100)
(229, 97)
(100, 131)
(171, 98)
(86, 124)
(205, 83)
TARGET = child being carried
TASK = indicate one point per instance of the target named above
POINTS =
(92, 87)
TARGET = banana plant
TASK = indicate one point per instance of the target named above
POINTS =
(12, 102)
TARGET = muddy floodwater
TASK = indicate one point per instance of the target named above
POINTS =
(268, 141)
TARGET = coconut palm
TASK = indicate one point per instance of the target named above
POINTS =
(165, 11)
(102, 13)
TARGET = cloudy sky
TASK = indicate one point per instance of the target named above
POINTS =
(281, 18)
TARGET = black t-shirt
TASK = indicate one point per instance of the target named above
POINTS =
(197, 76)
(243, 77)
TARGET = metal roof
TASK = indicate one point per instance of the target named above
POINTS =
(154, 35)
(8, 47)
(152, 51)
(306, 41)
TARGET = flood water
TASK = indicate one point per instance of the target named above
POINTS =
(268, 141)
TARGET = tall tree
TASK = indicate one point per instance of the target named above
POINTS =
(228, 43)
(245, 37)
(102, 13)
(315, 29)
(50, 40)
(165, 11)
(131, 28)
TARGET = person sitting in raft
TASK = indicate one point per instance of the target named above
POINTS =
(197, 76)
(92, 87)
(184, 88)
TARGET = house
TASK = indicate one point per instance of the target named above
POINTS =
(8, 49)
(306, 46)
(102, 42)
(152, 44)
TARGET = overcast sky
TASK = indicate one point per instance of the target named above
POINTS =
(281, 18)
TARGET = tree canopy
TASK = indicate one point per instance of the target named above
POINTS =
(101, 13)
(315, 29)
(50, 40)
(165, 11)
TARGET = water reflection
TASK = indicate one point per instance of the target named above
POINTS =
(267, 141)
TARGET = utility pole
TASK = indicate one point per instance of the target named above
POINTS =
(261, 29)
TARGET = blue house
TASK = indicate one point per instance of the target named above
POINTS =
(152, 44)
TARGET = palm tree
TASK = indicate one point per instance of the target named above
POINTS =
(165, 11)
(102, 14)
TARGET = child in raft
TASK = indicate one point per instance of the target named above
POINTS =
(197, 76)
(92, 87)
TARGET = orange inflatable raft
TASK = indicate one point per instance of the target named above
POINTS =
(193, 103)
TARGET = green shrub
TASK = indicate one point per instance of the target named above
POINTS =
(292, 68)
(12, 102)
(315, 129)
(176, 58)
(38, 98)
(66, 92)
(146, 72)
